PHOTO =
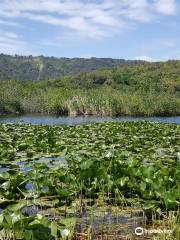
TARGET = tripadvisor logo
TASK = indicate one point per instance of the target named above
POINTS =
(139, 231)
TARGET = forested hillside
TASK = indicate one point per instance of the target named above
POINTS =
(43, 68)
(160, 76)
(146, 89)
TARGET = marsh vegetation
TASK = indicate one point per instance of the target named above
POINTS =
(148, 89)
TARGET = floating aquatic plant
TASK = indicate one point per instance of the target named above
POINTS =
(130, 164)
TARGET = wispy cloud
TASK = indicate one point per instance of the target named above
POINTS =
(167, 7)
(76, 21)
(93, 19)
(8, 23)
(145, 58)
(11, 43)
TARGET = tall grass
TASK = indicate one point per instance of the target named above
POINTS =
(37, 97)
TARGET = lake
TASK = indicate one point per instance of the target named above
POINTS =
(53, 120)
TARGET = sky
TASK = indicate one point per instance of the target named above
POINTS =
(129, 29)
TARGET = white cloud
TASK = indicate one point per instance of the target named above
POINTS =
(78, 19)
(8, 23)
(93, 19)
(145, 58)
(139, 10)
(167, 7)
(11, 43)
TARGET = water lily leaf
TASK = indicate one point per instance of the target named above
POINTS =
(28, 235)
(16, 207)
(54, 229)
(148, 206)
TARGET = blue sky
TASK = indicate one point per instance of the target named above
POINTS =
(130, 29)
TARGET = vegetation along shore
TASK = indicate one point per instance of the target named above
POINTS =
(132, 89)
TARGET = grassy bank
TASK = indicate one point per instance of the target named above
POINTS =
(140, 90)
(103, 101)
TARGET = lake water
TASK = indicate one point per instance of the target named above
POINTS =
(52, 120)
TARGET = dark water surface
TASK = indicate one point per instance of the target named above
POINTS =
(53, 120)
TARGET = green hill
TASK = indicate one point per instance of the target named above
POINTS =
(43, 68)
